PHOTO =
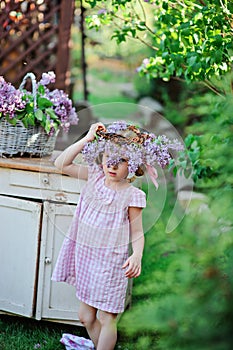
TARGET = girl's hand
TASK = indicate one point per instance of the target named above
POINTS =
(134, 266)
(90, 136)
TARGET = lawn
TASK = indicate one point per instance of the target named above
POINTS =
(17, 333)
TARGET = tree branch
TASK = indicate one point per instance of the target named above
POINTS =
(145, 43)
(139, 39)
(202, 3)
(213, 88)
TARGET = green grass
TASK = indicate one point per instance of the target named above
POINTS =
(111, 107)
(114, 110)
(97, 98)
(109, 75)
(18, 333)
(26, 334)
(104, 86)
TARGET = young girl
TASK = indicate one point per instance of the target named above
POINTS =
(94, 256)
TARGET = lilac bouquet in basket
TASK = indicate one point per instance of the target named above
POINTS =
(49, 109)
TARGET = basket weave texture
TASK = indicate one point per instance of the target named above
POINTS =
(18, 140)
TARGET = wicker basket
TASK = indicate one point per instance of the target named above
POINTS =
(21, 141)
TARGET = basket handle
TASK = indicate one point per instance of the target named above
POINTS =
(33, 79)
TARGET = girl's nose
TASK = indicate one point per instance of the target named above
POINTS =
(115, 166)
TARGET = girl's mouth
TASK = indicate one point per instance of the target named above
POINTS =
(112, 173)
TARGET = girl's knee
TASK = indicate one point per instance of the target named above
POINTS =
(87, 315)
(87, 318)
(107, 318)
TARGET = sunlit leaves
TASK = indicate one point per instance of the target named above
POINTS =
(193, 40)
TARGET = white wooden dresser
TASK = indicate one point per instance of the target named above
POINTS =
(36, 207)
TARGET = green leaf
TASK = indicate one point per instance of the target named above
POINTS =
(133, 32)
(39, 115)
(92, 3)
(183, 164)
(11, 121)
(165, 5)
(141, 25)
(171, 68)
(25, 122)
(31, 119)
(175, 169)
(43, 103)
(47, 126)
(192, 60)
(41, 89)
(29, 107)
(52, 114)
(120, 37)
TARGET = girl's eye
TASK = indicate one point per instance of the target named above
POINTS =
(122, 160)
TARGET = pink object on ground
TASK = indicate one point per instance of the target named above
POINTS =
(73, 342)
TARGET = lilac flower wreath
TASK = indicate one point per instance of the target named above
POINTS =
(143, 149)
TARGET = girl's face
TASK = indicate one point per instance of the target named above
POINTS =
(116, 173)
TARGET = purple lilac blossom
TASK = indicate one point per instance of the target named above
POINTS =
(91, 150)
(113, 152)
(10, 99)
(117, 126)
(176, 145)
(102, 12)
(47, 78)
(135, 157)
(62, 106)
(145, 61)
(144, 64)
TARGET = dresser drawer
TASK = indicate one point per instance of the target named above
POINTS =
(40, 185)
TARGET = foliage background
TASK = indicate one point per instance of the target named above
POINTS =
(183, 298)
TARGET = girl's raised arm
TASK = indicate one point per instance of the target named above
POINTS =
(64, 161)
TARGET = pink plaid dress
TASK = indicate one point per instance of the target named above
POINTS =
(96, 246)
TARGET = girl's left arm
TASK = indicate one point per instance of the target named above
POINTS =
(133, 263)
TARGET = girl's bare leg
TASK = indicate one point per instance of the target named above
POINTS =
(108, 333)
(87, 316)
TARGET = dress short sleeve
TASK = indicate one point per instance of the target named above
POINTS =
(138, 198)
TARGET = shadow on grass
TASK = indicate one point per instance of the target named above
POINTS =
(25, 334)
(20, 333)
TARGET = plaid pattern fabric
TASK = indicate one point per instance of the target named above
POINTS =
(96, 246)
(73, 342)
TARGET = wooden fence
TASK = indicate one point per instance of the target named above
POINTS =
(34, 37)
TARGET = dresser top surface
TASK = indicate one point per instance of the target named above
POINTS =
(44, 164)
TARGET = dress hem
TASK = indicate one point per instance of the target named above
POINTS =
(113, 311)
(70, 280)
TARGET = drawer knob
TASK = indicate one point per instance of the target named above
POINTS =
(45, 180)
(47, 260)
